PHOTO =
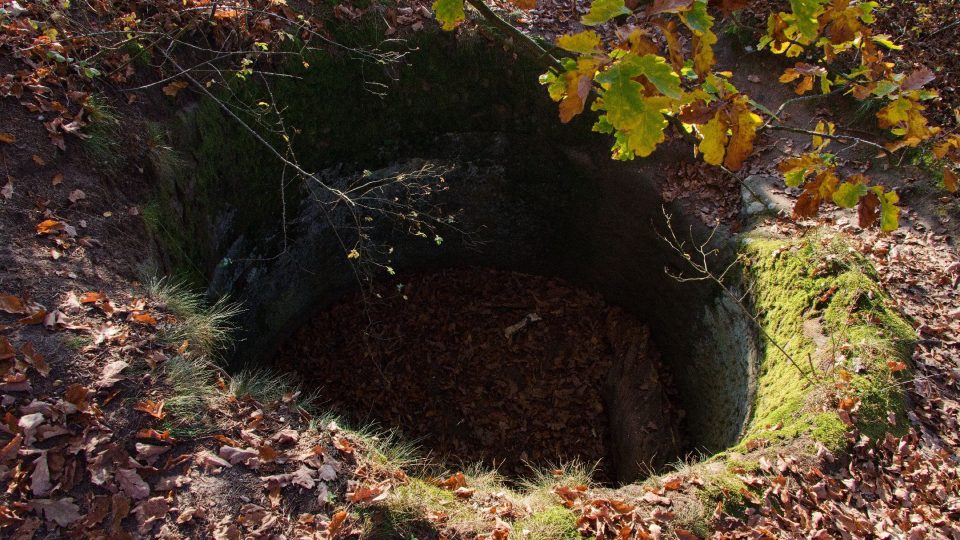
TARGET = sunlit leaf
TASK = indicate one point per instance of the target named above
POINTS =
(449, 13)
(669, 6)
(582, 42)
(950, 180)
(889, 211)
(848, 194)
(714, 138)
(602, 11)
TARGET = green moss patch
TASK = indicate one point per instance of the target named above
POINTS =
(822, 303)
(553, 523)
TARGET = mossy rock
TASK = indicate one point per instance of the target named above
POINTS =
(821, 302)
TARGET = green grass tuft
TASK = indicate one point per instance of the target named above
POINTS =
(193, 384)
(265, 385)
(166, 161)
(553, 523)
(102, 137)
(208, 329)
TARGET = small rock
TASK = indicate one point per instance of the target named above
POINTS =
(756, 207)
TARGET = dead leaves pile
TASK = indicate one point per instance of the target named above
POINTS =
(69, 471)
(649, 517)
(703, 191)
(57, 441)
(512, 365)
(896, 489)
(922, 272)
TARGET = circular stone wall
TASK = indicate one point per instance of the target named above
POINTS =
(530, 195)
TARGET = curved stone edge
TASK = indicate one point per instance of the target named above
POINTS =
(823, 303)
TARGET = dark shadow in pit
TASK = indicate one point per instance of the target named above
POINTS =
(517, 372)
(541, 198)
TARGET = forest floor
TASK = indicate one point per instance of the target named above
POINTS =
(93, 364)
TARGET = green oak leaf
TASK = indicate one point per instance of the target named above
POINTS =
(654, 68)
(661, 74)
(637, 118)
(805, 13)
(449, 12)
(848, 194)
(889, 211)
(583, 42)
(602, 11)
(697, 19)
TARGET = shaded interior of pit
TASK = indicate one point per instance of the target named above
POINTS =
(529, 195)
(515, 371)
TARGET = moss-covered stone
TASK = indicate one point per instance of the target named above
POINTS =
(818, 288)
(830, 431)
(726, 489)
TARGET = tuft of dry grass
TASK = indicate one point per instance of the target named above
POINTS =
(207, 328)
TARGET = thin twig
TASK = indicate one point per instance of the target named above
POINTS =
(880, 147)
(703, 253)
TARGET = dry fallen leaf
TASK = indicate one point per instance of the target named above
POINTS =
(150, 511)
(211, 462)
(10, 449)
(78, 395)
(6, 349)
(131, 484)
(273, 493)
(154, 435)
(570, 495)
(155, 358)
(91, 297)
(653, 498)
(336, 523)
(40, 479)
(12, 304)
(34, 359)
(366, 493)
(174, 88)
(148, 451)
(37, 317)
(151, 407)
(896, 366)
(327, 473)
(672, 484)
(62, 511)
(455, 481)
(343, 445)
(144, 318)
(267, 453)
(237, 455)
(111, 373)
(8, 138)
(57, 179)
(49, 226)
(76, 195)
